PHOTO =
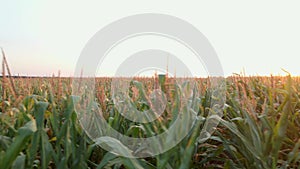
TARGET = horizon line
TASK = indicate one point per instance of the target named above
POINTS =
(233, 75)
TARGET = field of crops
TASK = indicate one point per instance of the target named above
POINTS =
(260, 127)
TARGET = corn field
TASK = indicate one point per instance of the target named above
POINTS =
(260, 127)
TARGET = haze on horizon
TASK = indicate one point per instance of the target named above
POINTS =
(259, 38)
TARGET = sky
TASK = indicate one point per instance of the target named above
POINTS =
(257, 37)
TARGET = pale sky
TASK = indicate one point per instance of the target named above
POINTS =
(261, 37)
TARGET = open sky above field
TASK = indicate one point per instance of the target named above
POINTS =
(261, 37)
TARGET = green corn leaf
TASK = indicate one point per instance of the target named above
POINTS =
(19, 163)
(24, 134)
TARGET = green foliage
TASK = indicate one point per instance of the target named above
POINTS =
(260, 127)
